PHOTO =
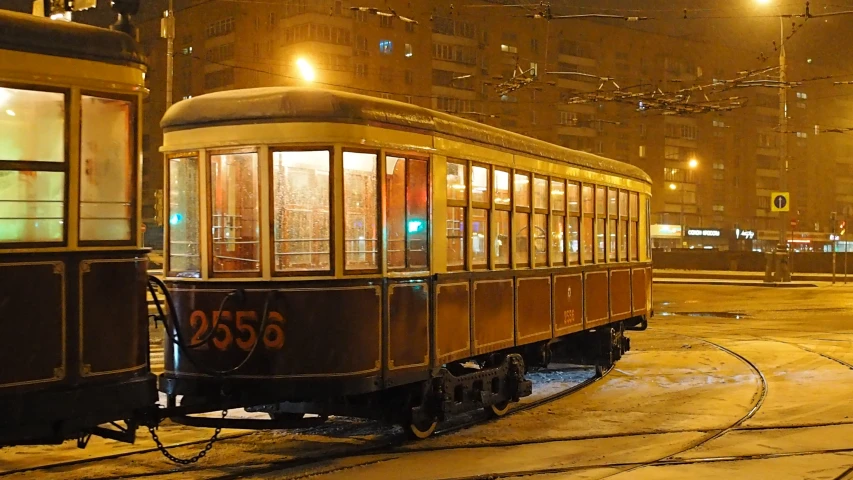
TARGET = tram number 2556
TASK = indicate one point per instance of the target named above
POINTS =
(237, 328)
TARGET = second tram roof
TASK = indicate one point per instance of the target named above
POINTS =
(304, 104)
(29, 33)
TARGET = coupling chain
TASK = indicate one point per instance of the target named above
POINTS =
(196, 457)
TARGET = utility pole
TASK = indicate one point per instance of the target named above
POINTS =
(834, 242)
(783, 268)
(167, 31)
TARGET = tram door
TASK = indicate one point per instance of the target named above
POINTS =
(406, 214)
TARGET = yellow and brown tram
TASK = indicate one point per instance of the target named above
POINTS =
(74, 349)
(332, 251)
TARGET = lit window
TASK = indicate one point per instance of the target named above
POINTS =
(386, 47)
(642, 151)
(234, 212)
(184, 257)
(408, 50)
(509, 49)
(534, 69)
(301, 210)
(360, 208)
(106, 173)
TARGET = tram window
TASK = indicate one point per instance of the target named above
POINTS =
(588, 200)
(406, 195)
(456, 186)
(540, 239)
(558, 196)
(574, 240)
(502, 236)
(234, 212)
(612, 203)
(33, 126)
(479, 237)
(599, 239)
(600, 201)
(634, 220)
(558, 239)
(395, 197)
(573, 198)
(106, 170)
(623, 226)
(611, 246)
(540, 193)
(31, 206)
(455, 237)
(360, 210)
(521, 224)
(522, 190)
(301, 235)
(502, 194)
(184, 253)
(588, 238)
(479, 185)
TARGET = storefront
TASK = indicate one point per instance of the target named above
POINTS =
(706, 238)
(666, 237)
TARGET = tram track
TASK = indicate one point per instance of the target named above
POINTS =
(388, 445)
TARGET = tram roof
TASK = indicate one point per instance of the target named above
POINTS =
(271, 104)
(29, 33)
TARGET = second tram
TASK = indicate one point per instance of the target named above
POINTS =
(335, 253)
(74, 349)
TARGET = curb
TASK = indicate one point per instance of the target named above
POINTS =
(672, 281)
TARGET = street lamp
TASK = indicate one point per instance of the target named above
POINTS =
(692, 164)
(305, 70)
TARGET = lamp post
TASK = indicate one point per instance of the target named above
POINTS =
(783, 273)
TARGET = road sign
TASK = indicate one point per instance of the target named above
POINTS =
(780, 202)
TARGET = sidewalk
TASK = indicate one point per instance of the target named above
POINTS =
(720, 277)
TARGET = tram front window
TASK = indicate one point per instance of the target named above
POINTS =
(184, 254)
(234, 212)
(32, 200)
(360, 211)
(301, 210)
(106, 169)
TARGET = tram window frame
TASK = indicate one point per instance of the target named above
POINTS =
(503, 210)
(600, 249)
(612, 237)
(380, 257)
(407, 238)
(46, 166)
(133, 151)
(634, 218)
(211, 263)
(558, 212)
(167, 198)
(587, 229)
(460, 205)
(272, 209)
(623, 225)
(540, 217)
(573, 216)
(521, 259)
(482, 205)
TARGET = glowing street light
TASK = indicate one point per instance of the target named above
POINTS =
(693, 163)
(305, 69)
(762, 2)
(672, 186)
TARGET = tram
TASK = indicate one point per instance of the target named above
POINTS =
(73, 273)
(335, 253)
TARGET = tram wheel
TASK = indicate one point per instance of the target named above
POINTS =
(419, 430)
(498, 410)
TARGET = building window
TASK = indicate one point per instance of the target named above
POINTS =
(802, 135)
(408, 50)
(719, 208)
(410, 77)
(385, 95)
(385, 46)
(719, 166)
(385, 75)
(360, 70)
(386, 22)
(220, 27)
(642, 151)
(187, 50)
(534, 45)
(410, 27)
(219, 78)
(408, 98)
(802, 95)
(509, 48)
(534, 69)
(361, 16)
